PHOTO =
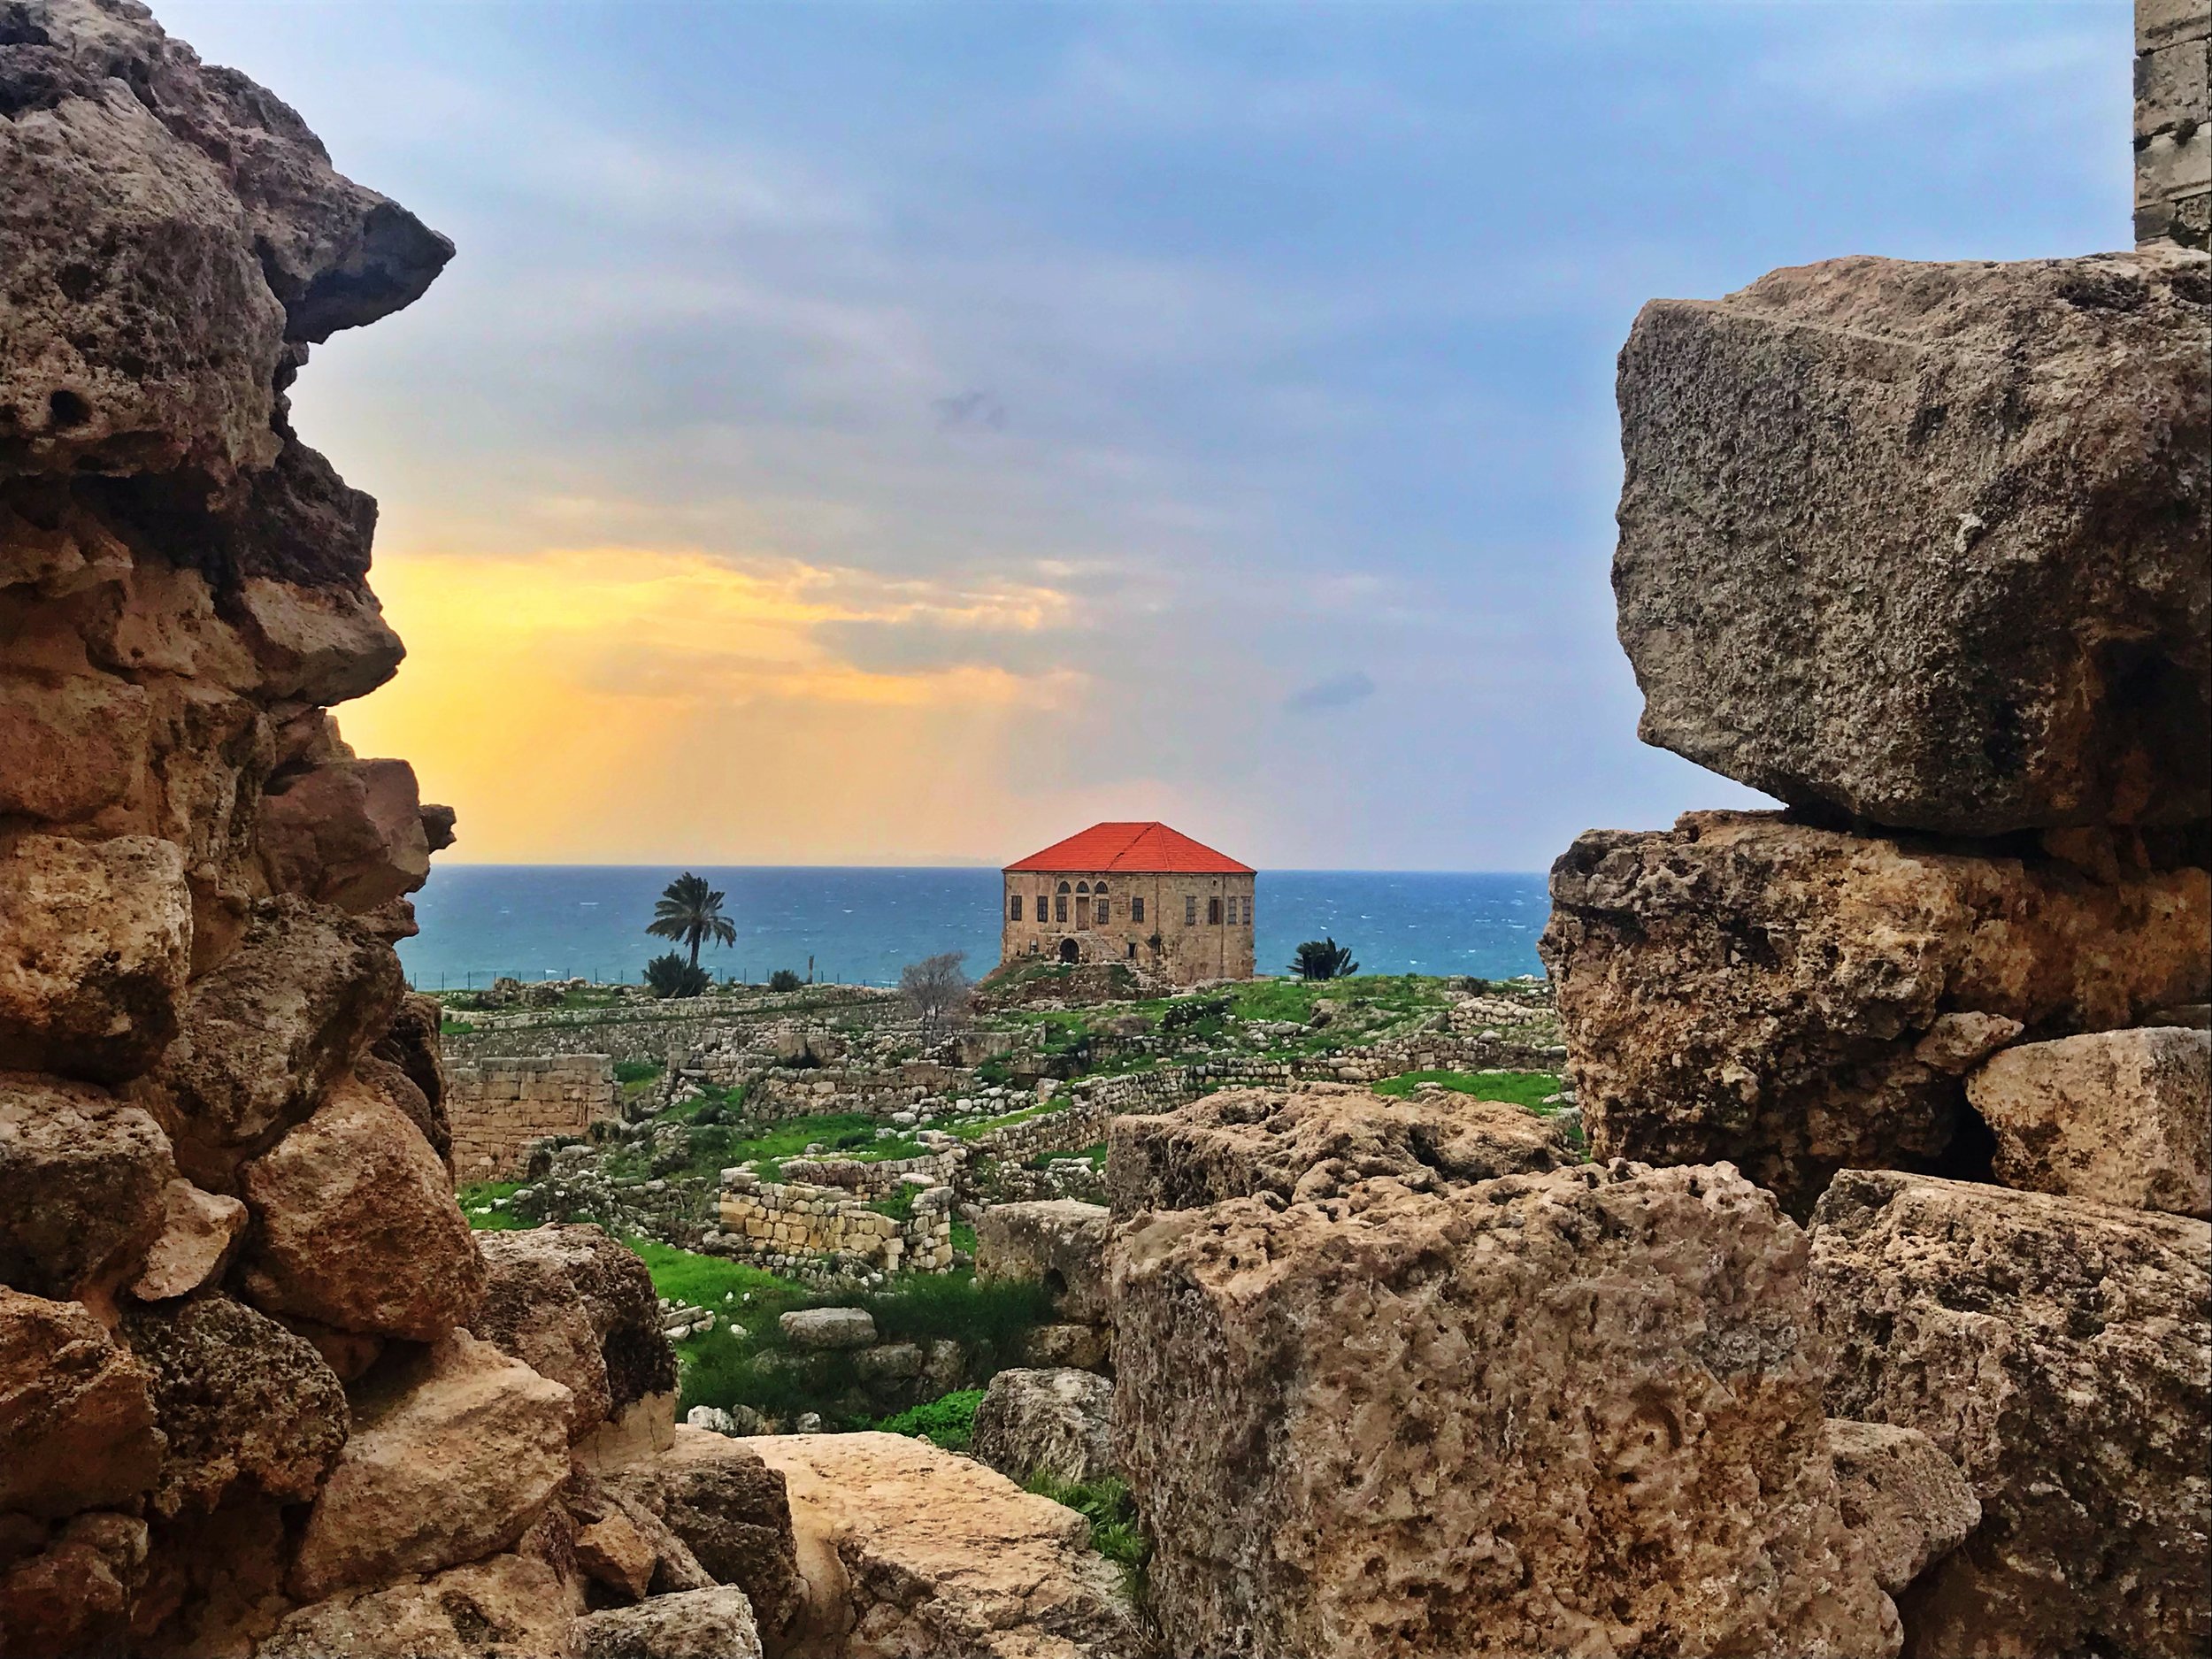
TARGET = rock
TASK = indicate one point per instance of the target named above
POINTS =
(526, 1311)
(81, 1187)
(356, 1225)
(1571, 1412)
(829, 1328)
(1315, 1141)
(76, 1411)
(509, 1605)
(1924, 543)
(715, 1624)
(2122, 1117)
(612, 1552)
(907, 1549)
(410, 1043)
(1050, 1421)
(347, 832)
(268, 1032)
(74, 743)
(1906, 1502)
(72, 1593)
(1069, 1347)
(99, 933)
(2056, 1350)
(454, 1453)
(1057, 1242)
(198, 1232)
(730, 1509)
(238, 1398)
(888, 1363)
(1799, 1000)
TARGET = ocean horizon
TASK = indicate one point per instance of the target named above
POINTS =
(862, 924)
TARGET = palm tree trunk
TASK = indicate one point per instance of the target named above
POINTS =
(694, 948)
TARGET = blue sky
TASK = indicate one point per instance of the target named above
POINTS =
(973, 420)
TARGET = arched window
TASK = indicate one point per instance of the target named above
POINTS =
(1082, 887)
(1063, 886)
(1014, 914)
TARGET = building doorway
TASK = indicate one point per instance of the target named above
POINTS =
(1070, 951)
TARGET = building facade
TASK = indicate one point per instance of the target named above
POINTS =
(1142, 893)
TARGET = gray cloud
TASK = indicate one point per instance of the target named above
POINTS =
(971, 408)
(1340, 692)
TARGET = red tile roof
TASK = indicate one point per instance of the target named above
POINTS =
(1135, 849)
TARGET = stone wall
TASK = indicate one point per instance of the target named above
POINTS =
(645, 1031)
(498, 1107)
(2173, 136)
(823, 1234)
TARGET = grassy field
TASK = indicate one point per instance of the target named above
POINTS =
(1521, 1089)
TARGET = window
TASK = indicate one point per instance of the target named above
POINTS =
(1213, 910)
(1132, 948)
(1016, 913)
(1044, 907)
(1060, 907)
(1082, 887)
(1136, 913)
(1099, 914)
(1190, 909)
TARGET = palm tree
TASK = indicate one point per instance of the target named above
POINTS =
(1323, 959)
(689, 913)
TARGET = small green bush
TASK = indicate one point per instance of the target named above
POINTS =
(947, 1422)
(671, 975)
(1111, 1509)
(784, 979)
(636, 1071)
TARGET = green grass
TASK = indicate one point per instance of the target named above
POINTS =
(1521, 1089)
(984, 1126)
(1116, 1533)
(898, 1205)
(637, 1071)
(963, 1239)
(478, 1196)
(948, 1421)
(454, 1027)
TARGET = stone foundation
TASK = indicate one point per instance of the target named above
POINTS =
(498, 1107)
(822, 1234)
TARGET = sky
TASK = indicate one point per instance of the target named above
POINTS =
(908, 433)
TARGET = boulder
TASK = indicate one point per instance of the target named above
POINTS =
(1799, 1000)
(1924, 543)
(356, 1225)
(577, 1306)
(99, 937)
(2056, 1350)
(909, 1549)
(76, 1411)
(715, 1624)
(1316, 1140)
(72, 744)
(1069, 1347)
(1057, 1242)
(72, 1593)
(820, 1328)
(198, 1232)
(507, 1607)
(624, 1546)
(2123, 1117)
(411, 1043)
(347, 832)
(614, 1554)
(1047, 1422)
(1908, 1503)
(82, 1186)
(454, 1451)
(1560, 1413)
(730, 1510)
(238, 1398)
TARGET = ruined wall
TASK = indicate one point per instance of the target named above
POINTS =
(2173, 122)
(498, 1107)
(823, 1233)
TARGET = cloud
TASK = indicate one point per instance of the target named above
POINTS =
(971, 408)
(1342, 692)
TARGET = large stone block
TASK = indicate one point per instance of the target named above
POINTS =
(76, 1411)
(1050, 1422)
(1799, 1000)
(71, 1592)
(2124, 1116)
(72, 744)
(577, 1306)
(1924, 543)
(83, 1180)
(1567, 1413)
(508, 1604)
(348, 832)
(1057, 1242)
(715, 1623)
(729, 1508)
(2060, 1352)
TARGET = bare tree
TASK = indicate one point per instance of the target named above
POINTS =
(936, 990)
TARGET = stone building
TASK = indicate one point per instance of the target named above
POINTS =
(1137, 893)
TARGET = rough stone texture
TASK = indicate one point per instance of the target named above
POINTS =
(82, 1180)
(453, 1455)
(356, 1225)
(2173, 136)
(2059, 1352)
(411, 1044)
(1069, 1347)
(1573, 1412)
(2124, 1116)
(1058, 1242)
(613, 1552)
(1798, 1000)
(578, 1307)
(730, 1509)
(347, 832)
(1054, 1421)
(1924, 543)
(500, 1108)
(907, 1549)
(715, 1623)
(99, 934)
(76, 1413)
(1908, 1503)
(238, 1398)
(198, 1232)
(829, 1327)
(508, 1607)
(1316, 1140)
(70, 1593)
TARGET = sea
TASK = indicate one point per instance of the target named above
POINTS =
(862, 925)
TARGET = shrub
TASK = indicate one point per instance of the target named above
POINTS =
(1116, 1533)
(947, 1422)
(671, 975)
(1323, 959)
(636, 1071)
(784, 979)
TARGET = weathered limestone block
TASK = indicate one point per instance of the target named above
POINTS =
(348, 832)
(1057, 1242)
(238, 1398)
(72, 1593)
(1316, 1140)
(578, 1307)
(1924, 543)
(730, 1508)
(71, 745)
(1909, 1503)
(624, 1545)
(1053, 1421)
(506, 1605)
(265, 1033)
(907, 1549)
(715, 1624)
(2173, 142)
(2124, 1116)
(614, 1554)
(1800, 999)
(454, 1454)
(82, 1179)
(198, 1232)
(356, 1227)
(1573, 1412)
(2060, 1352)
(829, 1327)
(99, 935)
(411, 1043)
(76, 1411)
(1067, 1347)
